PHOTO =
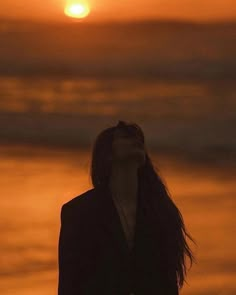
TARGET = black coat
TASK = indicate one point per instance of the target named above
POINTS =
(93, 253)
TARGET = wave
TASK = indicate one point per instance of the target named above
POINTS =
(165, 50)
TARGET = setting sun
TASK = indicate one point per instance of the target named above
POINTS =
(77, 9)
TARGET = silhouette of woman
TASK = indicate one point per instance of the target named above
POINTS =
(124, 236)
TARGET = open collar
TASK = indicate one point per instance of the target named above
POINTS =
(110, 222)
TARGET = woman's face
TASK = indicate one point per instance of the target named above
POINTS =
(128, 147)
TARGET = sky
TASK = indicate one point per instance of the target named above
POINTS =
(196, 10)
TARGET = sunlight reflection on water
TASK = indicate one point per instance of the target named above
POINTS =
(34, 187)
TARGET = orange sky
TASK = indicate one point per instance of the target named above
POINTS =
(124, 9)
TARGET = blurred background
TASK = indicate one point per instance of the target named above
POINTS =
(169, 66)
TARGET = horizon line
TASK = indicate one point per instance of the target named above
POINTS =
(71, 21)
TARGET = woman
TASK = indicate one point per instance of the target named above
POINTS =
(125, 236)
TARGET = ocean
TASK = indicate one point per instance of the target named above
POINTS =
(36, 182)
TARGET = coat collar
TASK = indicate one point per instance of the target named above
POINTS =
(110, 221)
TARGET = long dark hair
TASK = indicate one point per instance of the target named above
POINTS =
(161, 209)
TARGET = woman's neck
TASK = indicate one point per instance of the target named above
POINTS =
(124, 184)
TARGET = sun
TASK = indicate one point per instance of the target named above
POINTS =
(77, 9)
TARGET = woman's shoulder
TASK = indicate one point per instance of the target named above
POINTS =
(80, 211)
(79, 199)
(81, 202)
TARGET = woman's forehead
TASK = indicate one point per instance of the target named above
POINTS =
(127, 130)
(119, 131)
